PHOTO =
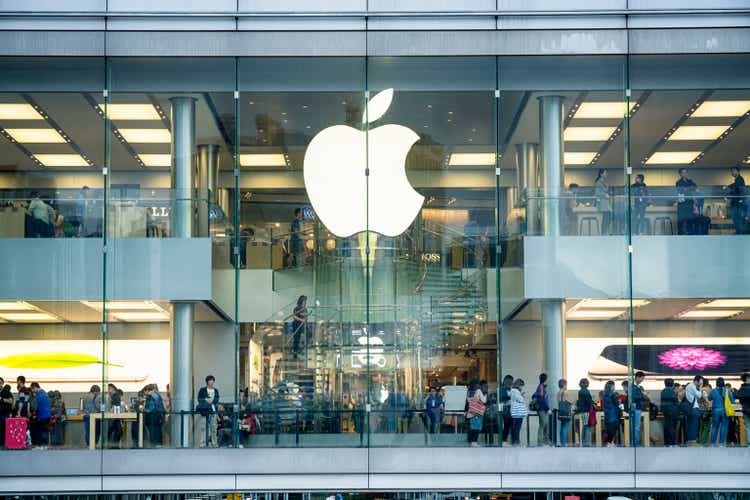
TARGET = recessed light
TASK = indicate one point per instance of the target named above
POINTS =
(698, 132)
(156, 160)
(464, 159)
(581, 158)
(726, 303)
(131, 111)
(594, 314)
(16, 306)
(602, 110)
(123, 305)
(721, 108)
(30, 317)
(672, 157)
(61, 160)
(709, 314)
(19, 112)
(588, 133)
(36, 135)
(610, 303)
(262, 160)
(141, 316)
(146, 135)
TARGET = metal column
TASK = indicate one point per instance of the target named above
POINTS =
(208, 175)
(526, 170)
(183, 182)
(551, 114)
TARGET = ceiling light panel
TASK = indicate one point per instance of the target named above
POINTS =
(19, 112)
(672, 157)
(594, 110)
(698, 133)
(124, 305)
(36, 135)
(588, 133)
(710, 314)
(611, 303)
(471, 159)
(16, 306)
(156, 160)
(30, 317)
(262, 160)
(583, 158)
(131, 111)
(61, 160)
(146, 135)
(594, 314)
(710, 109)
(141, 316)
(727, 303)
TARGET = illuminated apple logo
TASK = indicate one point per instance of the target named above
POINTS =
(346, 200)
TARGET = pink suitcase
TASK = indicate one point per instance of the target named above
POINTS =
(15, 433)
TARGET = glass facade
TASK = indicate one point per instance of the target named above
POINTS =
(345, 244)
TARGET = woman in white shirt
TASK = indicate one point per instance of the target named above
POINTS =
(518, 411)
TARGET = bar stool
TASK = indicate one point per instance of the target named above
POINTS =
(645, 225)
(590, 223)
(661, 224)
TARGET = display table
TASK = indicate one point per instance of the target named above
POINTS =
(126, 417)
(12, 222)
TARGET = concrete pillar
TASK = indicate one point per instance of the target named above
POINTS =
(183, 215)
(551, 115)
(526, 170)
(208, 175)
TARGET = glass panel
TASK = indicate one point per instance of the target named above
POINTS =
(301, 217)
(170, 284)
(51, 211)
(431, 215)
(564, 276)
(690, 235)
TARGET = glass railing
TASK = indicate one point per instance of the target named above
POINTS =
(130, 213)
(658, 211)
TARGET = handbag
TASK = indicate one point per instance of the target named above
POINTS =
(476, 407)
(728, 408)
(475, 423)
(592, 416)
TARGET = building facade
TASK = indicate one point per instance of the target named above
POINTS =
(282, 238)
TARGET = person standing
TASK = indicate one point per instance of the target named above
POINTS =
(154, 415)
(639, 192)
(208, 403)
(719, 418)
(42, 416)
(602, 198)
(693, 395)
(433, 410)
(491, 420)
(295, 238)
(564, 410)
(671, 409)
(518, 411)
(541, 402)
(736, 191)
(569, 205)
(583, 407)
(743, 394)
(636, 408)
(40, 221)
(611, 406)
(686, 207)
(92, 404)
(299, 323)
(475, 407)
(505, 402)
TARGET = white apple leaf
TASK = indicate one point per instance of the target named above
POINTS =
(377, 106)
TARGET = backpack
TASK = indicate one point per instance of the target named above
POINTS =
(564, 410)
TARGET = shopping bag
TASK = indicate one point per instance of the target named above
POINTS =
(15, 433)
(728, 408)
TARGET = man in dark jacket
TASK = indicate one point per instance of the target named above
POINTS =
(208, 405)
(42, 415)
(744, 396)
(541, 401)
(671, 409)
(736, 191)
(636, 407)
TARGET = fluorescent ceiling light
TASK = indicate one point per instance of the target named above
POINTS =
(16, 306)
(610, 303)
(262, 160)
(34, 317)
(124, 305)
(141, 316)
(578, 158)
(61, 160)
(602, 110)
(722, 108)
(19, 112)
(594, 314)
(156, 160)
(709, 314)
(669, 157)
(35, 135)
(588, 133)
(468, 159)
(726, 303)
(131, 112)
(146, 135)
(698, 132)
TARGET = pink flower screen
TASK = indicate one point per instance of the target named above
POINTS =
(691, 358)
